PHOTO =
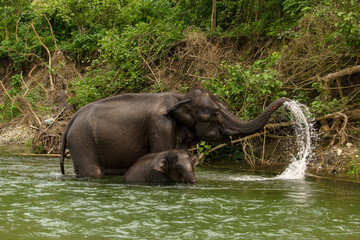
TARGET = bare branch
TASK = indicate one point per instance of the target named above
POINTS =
(29, 75)
(49, 55)
(7, 93)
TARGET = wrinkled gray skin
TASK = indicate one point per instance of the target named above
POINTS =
(108, 136)
(174, 166)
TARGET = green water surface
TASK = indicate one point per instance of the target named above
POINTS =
(37, 202)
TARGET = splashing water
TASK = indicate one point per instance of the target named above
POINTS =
(303, 131)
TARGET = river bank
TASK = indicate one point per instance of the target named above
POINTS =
(336, 162)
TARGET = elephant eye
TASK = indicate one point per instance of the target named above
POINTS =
(178, 168)
(215, 116)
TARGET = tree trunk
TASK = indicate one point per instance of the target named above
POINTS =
(213, 17)
(6, 31)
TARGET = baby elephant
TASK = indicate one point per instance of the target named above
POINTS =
(164, 167)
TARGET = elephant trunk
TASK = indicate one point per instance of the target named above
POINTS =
(189, 177)
(237, 128)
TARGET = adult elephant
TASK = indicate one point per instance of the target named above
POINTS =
(109, 135)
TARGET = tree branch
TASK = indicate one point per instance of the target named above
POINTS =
(49, 55)
(7, 93)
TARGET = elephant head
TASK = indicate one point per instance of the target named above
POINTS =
(178, 166)
(209, 119)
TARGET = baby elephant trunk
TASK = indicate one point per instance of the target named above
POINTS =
(189, 177)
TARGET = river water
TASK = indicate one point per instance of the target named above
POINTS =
(37, 202)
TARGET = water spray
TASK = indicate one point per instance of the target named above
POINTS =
(304, 132)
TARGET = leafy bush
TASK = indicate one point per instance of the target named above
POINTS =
(353, 168)
(248, 87)
(84, 47)
(16, 81)
(348, 28)
(129, 50)
(341, 24)
(322, 107)
(8, 110)
(99, 84)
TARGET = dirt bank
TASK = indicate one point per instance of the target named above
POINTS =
(341, 162)
(15, 134)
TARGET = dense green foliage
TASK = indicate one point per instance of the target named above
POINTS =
(244, 86)
(113, 38)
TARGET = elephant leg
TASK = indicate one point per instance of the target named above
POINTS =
(86, 161)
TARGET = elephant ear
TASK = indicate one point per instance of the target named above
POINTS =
(182, 114)
(163, 164)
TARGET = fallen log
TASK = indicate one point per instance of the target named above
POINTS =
(343, 72)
